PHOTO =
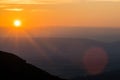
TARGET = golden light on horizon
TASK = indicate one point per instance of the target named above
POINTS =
(17, 23)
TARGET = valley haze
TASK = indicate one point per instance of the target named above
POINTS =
(107, 34)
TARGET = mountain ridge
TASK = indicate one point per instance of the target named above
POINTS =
(14, 68)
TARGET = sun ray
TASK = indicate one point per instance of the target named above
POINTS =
(15, 34)
(38, 48)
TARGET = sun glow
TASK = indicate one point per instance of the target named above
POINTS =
(17, 23)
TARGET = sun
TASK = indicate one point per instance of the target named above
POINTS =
(17, 23)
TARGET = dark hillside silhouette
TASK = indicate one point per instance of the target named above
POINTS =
(14, 68)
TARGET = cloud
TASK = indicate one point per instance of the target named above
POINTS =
(14, 9)
(35, 1)
(104, 0)
(18, 2)
(47, 1)
(3, 6)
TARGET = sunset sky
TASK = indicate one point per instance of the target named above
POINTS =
(82, 13)
(62, 33)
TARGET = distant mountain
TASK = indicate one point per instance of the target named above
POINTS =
(63, 57)
(113, 51)
(14, 68)
(114, 75)
(106, 34)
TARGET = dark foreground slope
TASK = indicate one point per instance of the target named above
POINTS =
(14, 68)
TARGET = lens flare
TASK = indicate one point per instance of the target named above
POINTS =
(95, 60)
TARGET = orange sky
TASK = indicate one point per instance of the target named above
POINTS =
(61, 12)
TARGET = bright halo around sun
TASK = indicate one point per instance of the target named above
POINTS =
(17, 23)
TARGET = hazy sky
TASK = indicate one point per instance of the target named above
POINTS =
(98, 13)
